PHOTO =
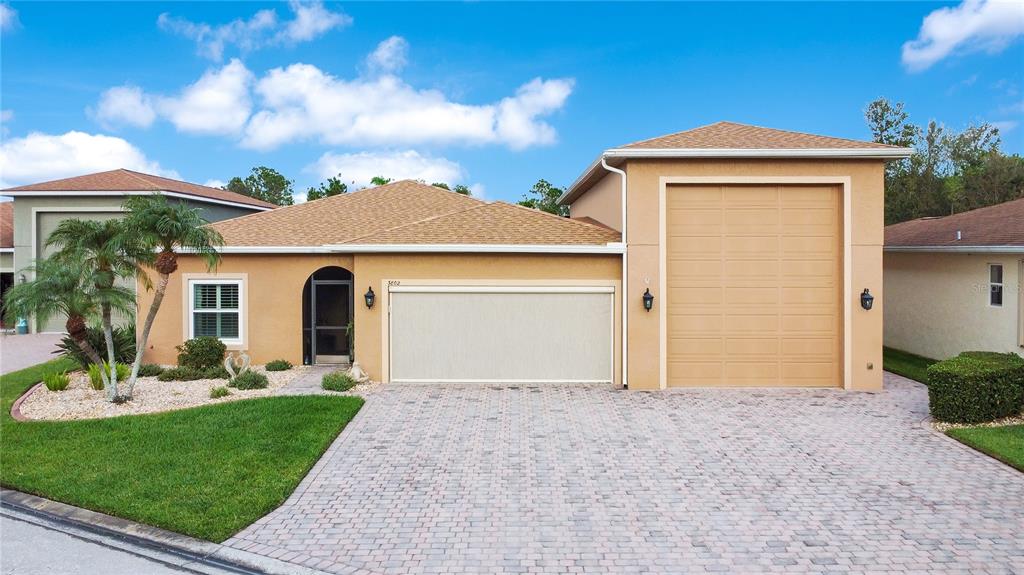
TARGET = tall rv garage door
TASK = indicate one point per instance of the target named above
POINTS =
(754, 277)
(478, 334)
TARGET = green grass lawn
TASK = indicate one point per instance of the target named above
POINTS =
(906, 364)
(1004, 443)
(206, 472)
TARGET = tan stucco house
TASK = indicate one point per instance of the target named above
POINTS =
(952, 283)
(751, 245)
(37, 209)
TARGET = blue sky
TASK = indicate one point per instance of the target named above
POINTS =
(491, 95)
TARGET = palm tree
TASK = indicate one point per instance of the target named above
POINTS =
(62, 288)
(108, 254)
(165, 227)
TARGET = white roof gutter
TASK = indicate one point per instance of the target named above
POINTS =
(755, 153)
(957, 249)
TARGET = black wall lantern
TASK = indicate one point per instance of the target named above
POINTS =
(370, 297)
(648, 299)
(866, 299)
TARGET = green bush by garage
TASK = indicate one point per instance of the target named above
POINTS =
(976, 387)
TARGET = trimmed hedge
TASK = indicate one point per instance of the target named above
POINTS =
(976, 386)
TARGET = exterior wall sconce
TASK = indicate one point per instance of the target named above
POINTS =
(866, 299)
(370, 297)
(648, 299)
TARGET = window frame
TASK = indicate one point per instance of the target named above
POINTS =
(1001, 284)
(191, 317)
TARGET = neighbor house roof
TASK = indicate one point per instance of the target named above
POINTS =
(406, 213)
(989, 228)
(6, 225)
(122, 180)
(732, 140)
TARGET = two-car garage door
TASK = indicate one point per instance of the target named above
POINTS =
(754, 278)
(483, 334)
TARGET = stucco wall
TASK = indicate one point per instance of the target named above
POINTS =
(274, 294)
(867, 184)
(603, 202)
(937, 305)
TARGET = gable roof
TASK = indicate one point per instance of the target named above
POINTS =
(6, 225)
(733, 140)
(991, 227)
(122, 180)
(405, 213)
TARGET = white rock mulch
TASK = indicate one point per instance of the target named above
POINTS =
(942, 426)
(81, 401)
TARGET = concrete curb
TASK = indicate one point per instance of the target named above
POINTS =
(927, 424)
(198, 551)
(16, 408)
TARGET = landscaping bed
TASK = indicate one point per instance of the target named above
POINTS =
(205, 472)
(81, 401)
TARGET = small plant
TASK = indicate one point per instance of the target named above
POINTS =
(338, 381)
(96, 376)
(201, 353)
(192, 374)
(57, 381)
(249, 380)
(278, 365)
(150, 370)
(124, 345)
(219, 392)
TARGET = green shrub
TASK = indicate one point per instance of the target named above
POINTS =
(278, 365)
(96, 378)
(192, 374)
(150, 370)
(57, 381)
(219, 392)
(249, 380)
(338, 381)
(124, 345)
(202, 353)
(975, 387)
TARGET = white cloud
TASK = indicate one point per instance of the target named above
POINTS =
(361, 167)
(988, 25)
(478, 191)
(1005, 126)
(8, 17)
(215, 183)
(125, 105)
(39, 157)
(390, 56)
(301, 102)
(262, 29)
(217, 103)
(311, 20)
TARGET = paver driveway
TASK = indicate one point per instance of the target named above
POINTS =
(496, 479)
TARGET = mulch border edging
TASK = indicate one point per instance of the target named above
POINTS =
(16, 408)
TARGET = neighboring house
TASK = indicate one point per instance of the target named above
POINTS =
(755, 245)
(39, 208)
(952, 283)
(6, 253)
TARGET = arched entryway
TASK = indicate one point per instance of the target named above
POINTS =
(327, 317)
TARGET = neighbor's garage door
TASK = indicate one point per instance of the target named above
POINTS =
(473, 334)
(755, 289)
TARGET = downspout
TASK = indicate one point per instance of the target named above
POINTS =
(625, 284)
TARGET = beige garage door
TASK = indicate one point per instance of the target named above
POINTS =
(754, 285)
(473, 334)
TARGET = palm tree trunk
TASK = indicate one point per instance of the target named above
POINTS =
(75, 328)
(140, 344)
(108, 336)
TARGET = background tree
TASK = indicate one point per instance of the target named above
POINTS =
(166, 228)
(544, 197)
(458, 189)
(332, 187)
(379, 181)
(265, 184)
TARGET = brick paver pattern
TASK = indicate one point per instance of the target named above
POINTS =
(590, 479)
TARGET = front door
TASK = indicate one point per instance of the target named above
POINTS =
(331, 314)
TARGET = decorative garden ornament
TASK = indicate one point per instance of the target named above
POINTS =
(357, 373)
(236, 368)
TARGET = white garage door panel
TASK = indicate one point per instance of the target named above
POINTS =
(476, 335)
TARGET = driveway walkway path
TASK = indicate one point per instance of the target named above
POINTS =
(563, 479)
(21, 351)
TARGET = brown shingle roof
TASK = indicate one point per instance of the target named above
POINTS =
(998, 225)
(406, 212)
(6, 224)
(122, 180)
(730, 135)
